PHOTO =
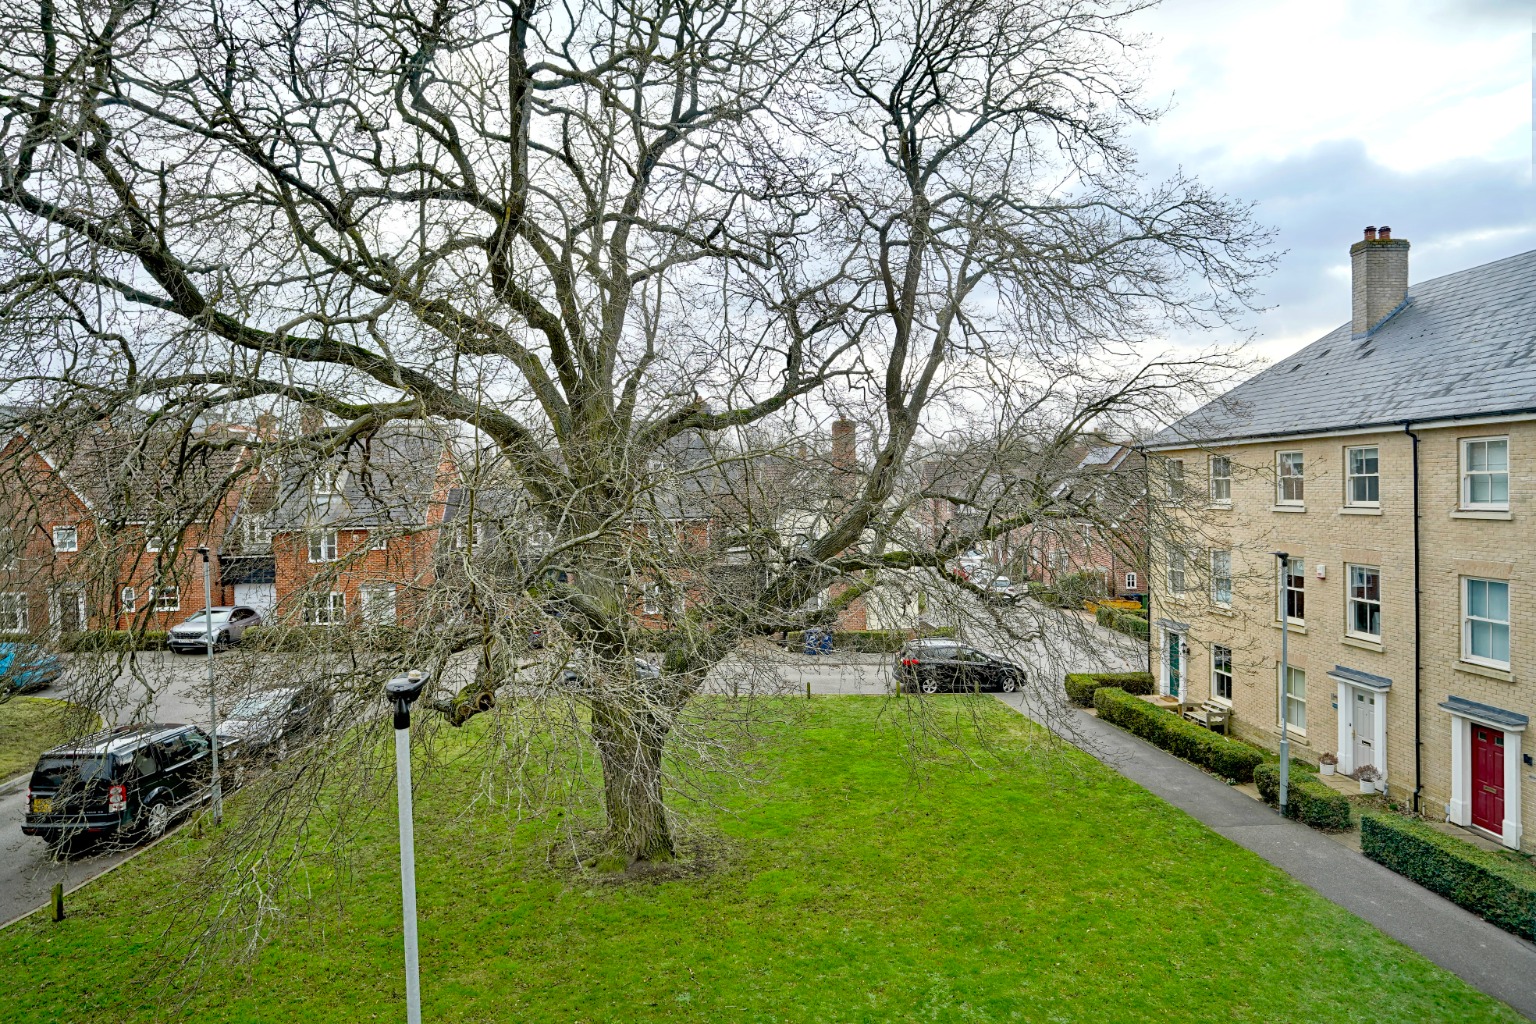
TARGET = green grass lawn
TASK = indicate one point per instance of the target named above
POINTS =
(846, 890)
(30, 725)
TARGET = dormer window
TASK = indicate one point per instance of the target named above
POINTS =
(256, 532)
(327, 482)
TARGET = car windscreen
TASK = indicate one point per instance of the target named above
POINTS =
(218, 616)
(66, 772)
(259, 704)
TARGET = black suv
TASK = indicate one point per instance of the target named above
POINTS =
(133, 779)
(937, 665)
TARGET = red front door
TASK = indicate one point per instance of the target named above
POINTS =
(1488, 779)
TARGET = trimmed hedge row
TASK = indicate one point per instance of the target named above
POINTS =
(1082, 685)
(1495, 889)
(383, 639)
(1225, 757)
(1128, 623)
(1308, 800)
(868, 641)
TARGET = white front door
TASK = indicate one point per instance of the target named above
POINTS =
(1365, 730)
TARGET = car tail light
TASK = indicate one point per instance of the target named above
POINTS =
(117, 798)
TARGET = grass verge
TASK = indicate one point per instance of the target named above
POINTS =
(30, 725)
(844, 889)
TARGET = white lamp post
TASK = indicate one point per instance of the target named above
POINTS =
(402, 692)
(213, 703)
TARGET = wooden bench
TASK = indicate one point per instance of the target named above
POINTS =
(1211, 715)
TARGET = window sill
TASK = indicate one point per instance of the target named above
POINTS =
(1295, 735)
(1498, 515)
(1353, 510)
(1219, 506)
(1222, 610)
(1362, 643)
(1296, 629)
(1471, 668)
(1287, 508)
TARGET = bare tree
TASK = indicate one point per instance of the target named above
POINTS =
(631, 249)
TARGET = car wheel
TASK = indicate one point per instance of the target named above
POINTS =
(157, 820)
(1010, 683)
(929, 685)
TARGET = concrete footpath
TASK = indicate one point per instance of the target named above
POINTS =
(1484, 956)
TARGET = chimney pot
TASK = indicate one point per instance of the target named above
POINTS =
(1379, 279)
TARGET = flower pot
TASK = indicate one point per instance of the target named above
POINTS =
(1326, 769)
(1367, 787)
(1381, 786)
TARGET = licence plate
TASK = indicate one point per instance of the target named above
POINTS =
(42, 805)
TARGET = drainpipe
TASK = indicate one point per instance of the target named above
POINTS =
(1418, 659)
(1146, 542)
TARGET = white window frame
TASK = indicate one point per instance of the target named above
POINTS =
(327, 482)
(1295, 569)
(15, 607)
(73, 532)
(1177, 571)
(1350, 601)
(152, 544)
(128, 600)
(1216, 674)
(1131, 579)
(1173, 475)
(326, 609)
(1224, 479)
(1467, 474)
(1467, 619)
(10, 549)
(378, 540)
(1350, 476)
(1217, 597)
(650, 599)
(1286, 699)
(378, 603)
(1283, 477)
(256, 531)
(318, 543)
(167, 599)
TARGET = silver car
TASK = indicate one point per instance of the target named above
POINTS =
(224, 625)
(271, 722)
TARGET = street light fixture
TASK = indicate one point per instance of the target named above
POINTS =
(213, 703)
(402, 692)
(1285, 681)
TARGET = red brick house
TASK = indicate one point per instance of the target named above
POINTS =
(105, 522)
(356, 538)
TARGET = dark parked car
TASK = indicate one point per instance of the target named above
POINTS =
(269, 722)
(947, 666)
(226, 624)
(134, 779)
(26, 667)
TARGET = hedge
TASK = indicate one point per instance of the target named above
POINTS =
(1125, 622)
(1308, 800)
(1225, 757)
(1491, 886)
(1081, 685)
(384, 639)
(869, 641)
(96, 640)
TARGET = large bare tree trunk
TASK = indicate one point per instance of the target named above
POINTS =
(630, 741)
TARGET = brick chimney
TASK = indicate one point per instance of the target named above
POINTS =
(1379, 266)
(844, 455)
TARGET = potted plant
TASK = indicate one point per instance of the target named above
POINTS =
(1327, 762)
(1368, 776)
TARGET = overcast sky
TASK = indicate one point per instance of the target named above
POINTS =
(1335, 114)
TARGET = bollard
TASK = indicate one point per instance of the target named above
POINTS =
(58, 901)
(807, 689)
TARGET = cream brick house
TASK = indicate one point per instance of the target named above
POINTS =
(1394, 459)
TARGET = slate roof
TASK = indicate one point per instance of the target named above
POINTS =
(1463, 345)
(386, 480)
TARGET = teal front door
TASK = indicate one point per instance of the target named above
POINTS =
(1174, 665)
